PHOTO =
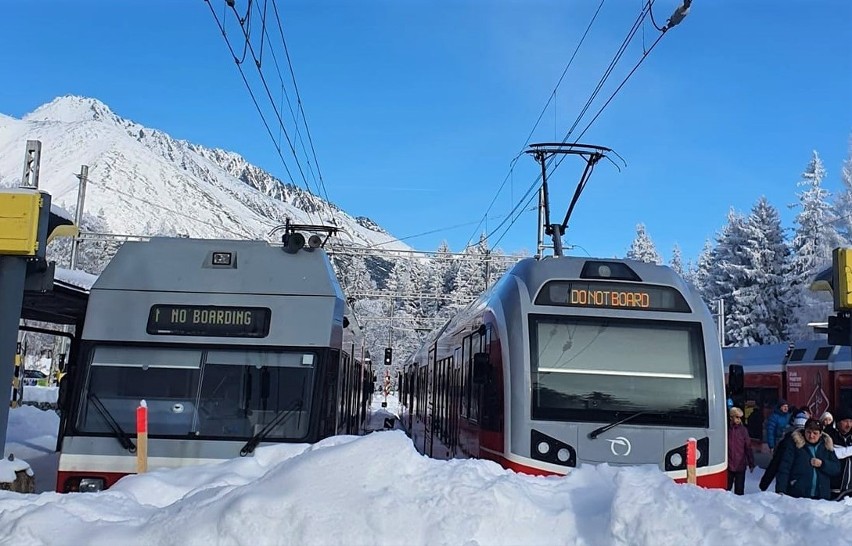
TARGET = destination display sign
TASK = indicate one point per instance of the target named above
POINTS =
(613, 295)
(209, 320)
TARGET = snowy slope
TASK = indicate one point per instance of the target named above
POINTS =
(145, 182)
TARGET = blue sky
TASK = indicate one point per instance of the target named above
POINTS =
(417, 108)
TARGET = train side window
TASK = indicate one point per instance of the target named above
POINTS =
(797, 355)
(760, 403)
(823, 353)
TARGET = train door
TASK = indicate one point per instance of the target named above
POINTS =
(430, 403)
(455, 403)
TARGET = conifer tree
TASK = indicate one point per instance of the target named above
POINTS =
(843, 202)
(812, 243)
(703, 272)
(676, 262)
(726, 271)
(642, 248)
(759, 306)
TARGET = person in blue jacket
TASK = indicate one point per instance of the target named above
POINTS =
(777, 423)
(806, 470)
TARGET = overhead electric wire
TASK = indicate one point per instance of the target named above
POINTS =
(630, 35)
(624, 81)
(540, 116)
(171, 211)
(298, 97)
(286, 96)
(254, 100)
(271, 99)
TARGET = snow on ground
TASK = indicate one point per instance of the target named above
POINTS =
(378, 490)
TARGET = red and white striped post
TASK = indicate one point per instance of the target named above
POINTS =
(142, 438)
(691, 456)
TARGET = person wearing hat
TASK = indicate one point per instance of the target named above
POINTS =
(807, 468)
(740, 454)
(841, 435)
(783, 445)
(827, 422)
(777, 422)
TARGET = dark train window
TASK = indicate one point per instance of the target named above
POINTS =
(797, 355)
(759, 404)
(823, 353)
(845, 398)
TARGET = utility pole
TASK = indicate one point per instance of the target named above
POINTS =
(78, 215)
(720, 320)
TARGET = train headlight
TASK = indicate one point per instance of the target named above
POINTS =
(675, 459)
(84, 485)
(550, 450)
(91, 485)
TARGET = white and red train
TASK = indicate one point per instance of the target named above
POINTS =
(807, 374)
(570, 360)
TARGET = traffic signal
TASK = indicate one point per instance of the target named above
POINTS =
(842, 278)
(388, 356)
(840, 329)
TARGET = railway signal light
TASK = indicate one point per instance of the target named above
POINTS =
(388, 356)
(840, 329)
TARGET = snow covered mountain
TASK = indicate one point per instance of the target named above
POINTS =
(144, 182)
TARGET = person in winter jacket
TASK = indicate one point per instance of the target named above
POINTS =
(777, 422)
(783, 445)
(740, 454)
(841, 435)
(806, 470)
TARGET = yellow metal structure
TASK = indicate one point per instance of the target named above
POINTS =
(19, 210)
(842, 265)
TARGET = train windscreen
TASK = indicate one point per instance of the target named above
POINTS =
(602, 369)
(222, 394)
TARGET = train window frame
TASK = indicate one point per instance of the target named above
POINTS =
(595, 411)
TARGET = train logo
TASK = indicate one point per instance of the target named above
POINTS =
(621, 441)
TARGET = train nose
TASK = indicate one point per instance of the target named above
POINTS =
(622, 445)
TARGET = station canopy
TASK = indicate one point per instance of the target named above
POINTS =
(65, 304)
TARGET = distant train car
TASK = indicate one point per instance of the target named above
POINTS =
(231, 344)
(571, 360)
(807, 374)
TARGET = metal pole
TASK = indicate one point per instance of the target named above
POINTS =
(13, 272)
(78, 214)
(720, 321)
(540, 242)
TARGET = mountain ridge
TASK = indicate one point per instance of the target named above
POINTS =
(138, 174)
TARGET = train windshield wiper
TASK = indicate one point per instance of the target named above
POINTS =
(279, 419)
(117, 431)
(600, 430)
